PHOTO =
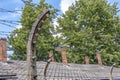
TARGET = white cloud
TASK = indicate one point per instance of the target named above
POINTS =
(19, 26)
(65, 4)
(55, 23)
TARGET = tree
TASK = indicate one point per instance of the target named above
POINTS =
(87, 25)
(19, 37)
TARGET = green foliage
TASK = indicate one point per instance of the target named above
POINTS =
(19, 37)
(89, 24)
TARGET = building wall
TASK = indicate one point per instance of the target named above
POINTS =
(3, 50)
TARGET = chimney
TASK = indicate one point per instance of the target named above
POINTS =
(51, 55)
(64, 58)
(99, 58)
(86, 60)
(3, 50)
(62, 49)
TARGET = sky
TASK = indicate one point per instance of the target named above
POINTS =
(8, 19)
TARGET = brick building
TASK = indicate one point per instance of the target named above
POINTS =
(17, 70)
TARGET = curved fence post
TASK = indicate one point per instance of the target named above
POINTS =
(31, 49)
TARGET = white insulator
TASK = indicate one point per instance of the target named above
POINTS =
(36, 34)
(34, 57)
(47, 15)
(39, 28)
(42, 21)
(34, 42)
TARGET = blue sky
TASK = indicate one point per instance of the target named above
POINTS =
(12, 5)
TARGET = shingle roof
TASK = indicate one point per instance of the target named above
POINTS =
(59, 71)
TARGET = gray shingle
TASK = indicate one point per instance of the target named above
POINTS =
(59, 71)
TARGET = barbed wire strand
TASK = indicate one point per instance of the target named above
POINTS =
(7, 25)
(10, 11)
(9, 22)
(28, 3)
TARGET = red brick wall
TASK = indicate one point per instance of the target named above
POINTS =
(64, 57)
(86, 60)
(99, 58)
(3, 50)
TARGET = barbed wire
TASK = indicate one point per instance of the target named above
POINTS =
(11, 32)
(4, 34)
(23, 32)
(10, 21)
(10, 11)
(5, 31)
(6, 24)
(28, 3)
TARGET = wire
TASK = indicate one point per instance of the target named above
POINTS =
(28, 3)
(7, 25)
(4, 32)
(12, 32)
(10, 21)
(11, 11)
